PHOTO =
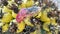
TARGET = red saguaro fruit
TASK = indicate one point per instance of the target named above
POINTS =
(20, 16)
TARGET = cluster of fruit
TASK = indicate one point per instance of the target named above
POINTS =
(29, 17)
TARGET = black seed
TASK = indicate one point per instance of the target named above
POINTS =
(28, 33)
(35, 0)
(0, 29)
(49, 14)
(14, 8)
(24, 30)
(13, 27)
(31, 19)
(41, 22)
(4, 2)
(20, 2)
(58, 20)
(1, 14)
(28, 28)
(58, 32)
(34, 20)
(32, 29)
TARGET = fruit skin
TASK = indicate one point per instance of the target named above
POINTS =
(14, 14)
(23, 5)
(44, 16)
(27, 21)
(38, 15)
(21, 27)
(14, 9)
(6, 18)
(47, 21)
(29, 3)
(6, 9)
(5, 28)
